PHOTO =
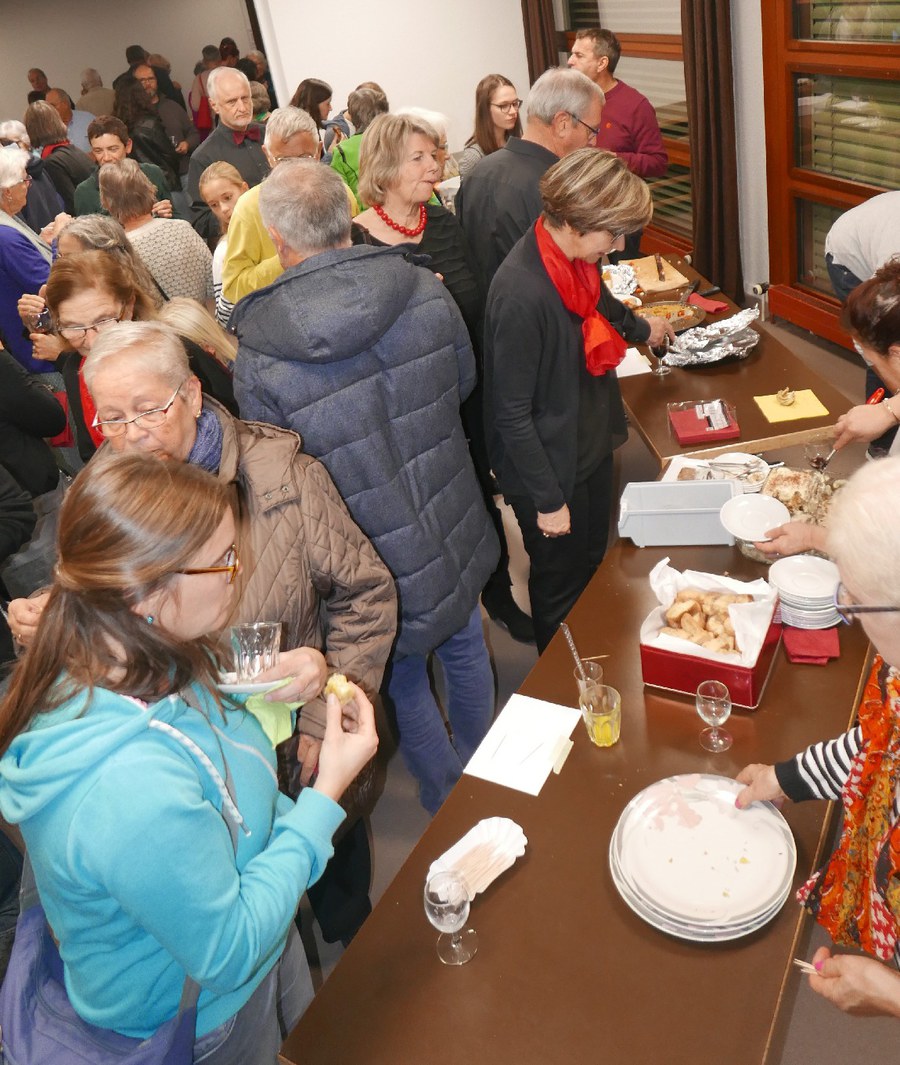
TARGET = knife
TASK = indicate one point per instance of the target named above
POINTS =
(689, 292)
(659, 267)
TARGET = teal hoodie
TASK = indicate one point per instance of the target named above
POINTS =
(135, 864)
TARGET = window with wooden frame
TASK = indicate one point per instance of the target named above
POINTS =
(653, 64)
(832, 100)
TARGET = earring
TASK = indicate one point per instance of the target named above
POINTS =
(150, 619)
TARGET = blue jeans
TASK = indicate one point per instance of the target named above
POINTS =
(433, 758)
(255, 1033)
(843, 281)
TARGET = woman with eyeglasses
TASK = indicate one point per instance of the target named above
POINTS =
(854, 895)
(160, 844)
(305, 562)
(496, 120)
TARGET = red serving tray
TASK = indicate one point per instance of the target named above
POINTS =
(682, 673)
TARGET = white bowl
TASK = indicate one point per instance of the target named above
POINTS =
(750, 516)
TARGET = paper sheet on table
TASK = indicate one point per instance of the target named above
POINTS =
(806, 405)
(523, 743)
(634, 363)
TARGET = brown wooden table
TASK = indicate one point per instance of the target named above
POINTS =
(565, 971)
(770, 367)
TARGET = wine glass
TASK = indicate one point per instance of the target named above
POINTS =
(714, 707)
(447, 908)
(818, 453)
(659, 352)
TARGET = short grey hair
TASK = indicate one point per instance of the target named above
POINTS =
(155, 348)
(259, 97)
(307, 204)
(90, 79)
(364, 106)
(14, 130)
(561, 89)
(863, 534)
(13, 161)
(436, 119)
(215, 76)
(286, 122)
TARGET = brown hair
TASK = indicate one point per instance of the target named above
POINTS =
(44, 124)
(381, 153)
(309, 94)
(127, 525)
(108, 125)
(592, 190)
(88, 270)
(604, 42)
(485, 134)
(364, 106)
(125, 190)
(872, 311)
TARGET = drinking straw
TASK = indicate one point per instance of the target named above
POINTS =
(578, 665)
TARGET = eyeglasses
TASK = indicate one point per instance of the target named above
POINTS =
(595, 130)
(846, 609)
(148, 81)
(230, 565)
(508, 106)
(25, 181)
(148, 419)
(77, 333)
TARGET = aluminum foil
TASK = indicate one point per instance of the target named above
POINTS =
(703, 345)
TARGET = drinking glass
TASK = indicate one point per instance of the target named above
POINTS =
(714, 707)
(255, 647)
(447, 908)
(659, 353)
(601, 706)
(816, 453)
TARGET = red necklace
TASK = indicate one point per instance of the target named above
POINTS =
(388, 221)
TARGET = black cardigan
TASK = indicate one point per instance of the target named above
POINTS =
(28, 412)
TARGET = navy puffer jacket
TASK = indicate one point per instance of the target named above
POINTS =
(366, 356)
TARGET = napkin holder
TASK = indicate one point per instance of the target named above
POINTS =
(703, 421)
(673, 513)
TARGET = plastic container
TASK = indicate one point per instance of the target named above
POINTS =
(675, 513)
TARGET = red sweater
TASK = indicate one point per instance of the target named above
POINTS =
(629, 128)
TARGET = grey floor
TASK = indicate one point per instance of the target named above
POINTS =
(818, 1032)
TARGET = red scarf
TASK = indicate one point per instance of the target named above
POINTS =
(50, 148)
(856, 893)
(88, 409)
(578, 285)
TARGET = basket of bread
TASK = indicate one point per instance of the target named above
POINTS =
(709, 627)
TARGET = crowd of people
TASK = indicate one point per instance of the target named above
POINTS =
(330, 462)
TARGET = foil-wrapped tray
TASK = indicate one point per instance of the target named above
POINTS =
(732, 338)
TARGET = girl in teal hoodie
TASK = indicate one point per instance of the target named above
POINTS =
(117, 753)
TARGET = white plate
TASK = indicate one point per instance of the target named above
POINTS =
(757, 469)
(682, 845)
(229, 684)
(805, 577)
(750, 516)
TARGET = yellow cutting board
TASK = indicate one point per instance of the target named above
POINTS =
(648, 279)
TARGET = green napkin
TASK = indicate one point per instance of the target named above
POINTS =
(276, 719)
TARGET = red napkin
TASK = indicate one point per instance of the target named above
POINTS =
(812, 647)
(710, 306)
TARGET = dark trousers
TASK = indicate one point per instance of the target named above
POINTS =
(561, 566)
(340, 897)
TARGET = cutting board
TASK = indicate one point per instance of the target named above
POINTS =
(648, 279)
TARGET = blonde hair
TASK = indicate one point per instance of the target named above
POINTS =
(382, 151)
(191, 320)
(220, 171)
(591, 190)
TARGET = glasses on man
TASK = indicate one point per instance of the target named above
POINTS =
(77, 333)
(147, 419)
(230, 565)
(595, 130)
(847, 609)
(508, 106)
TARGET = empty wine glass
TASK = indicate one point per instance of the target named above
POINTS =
(659, 352)
(714, 707)
(447, 907)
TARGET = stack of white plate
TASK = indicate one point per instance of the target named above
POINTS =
(806, 586)
(691, 864)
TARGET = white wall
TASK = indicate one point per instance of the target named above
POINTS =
(750, 130)
(422, 56)
(62, 38)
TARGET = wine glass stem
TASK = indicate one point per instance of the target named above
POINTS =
(456, 940)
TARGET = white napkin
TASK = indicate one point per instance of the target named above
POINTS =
(483, 853)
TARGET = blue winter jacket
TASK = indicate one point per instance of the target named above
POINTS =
(367, 357)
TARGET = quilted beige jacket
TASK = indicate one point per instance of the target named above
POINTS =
(304, 561)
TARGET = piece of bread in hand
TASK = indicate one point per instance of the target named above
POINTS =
(338, 685)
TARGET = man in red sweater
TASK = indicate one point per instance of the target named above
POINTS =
(629, 127)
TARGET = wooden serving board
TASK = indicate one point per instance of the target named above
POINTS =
(648, 279)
